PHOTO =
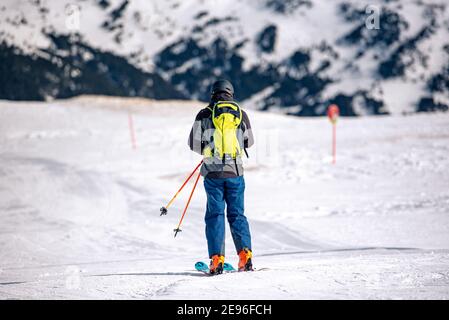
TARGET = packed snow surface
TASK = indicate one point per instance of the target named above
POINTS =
(79, 206)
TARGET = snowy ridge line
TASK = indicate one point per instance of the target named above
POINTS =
(352, 249)
(81, 263)
(12, 283)
(183, 273)
(260, 255)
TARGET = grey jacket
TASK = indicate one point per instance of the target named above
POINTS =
(200, 136)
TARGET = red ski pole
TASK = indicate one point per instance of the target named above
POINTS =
(164, 209)
(187, 205)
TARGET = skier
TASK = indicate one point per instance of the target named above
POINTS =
(221, 133)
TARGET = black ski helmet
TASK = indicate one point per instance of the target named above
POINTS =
(222, 85)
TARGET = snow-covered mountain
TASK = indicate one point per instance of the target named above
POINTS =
(296, 56)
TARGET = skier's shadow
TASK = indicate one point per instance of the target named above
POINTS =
(186, 273)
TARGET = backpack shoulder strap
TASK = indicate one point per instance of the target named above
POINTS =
(231, 107)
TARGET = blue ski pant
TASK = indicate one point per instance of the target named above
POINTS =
(227, 192)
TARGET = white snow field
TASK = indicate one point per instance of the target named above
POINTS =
(79, 207)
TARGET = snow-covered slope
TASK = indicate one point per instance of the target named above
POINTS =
(294, 55)
(79, 207)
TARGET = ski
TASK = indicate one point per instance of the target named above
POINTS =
(203, 267)
(227, 268)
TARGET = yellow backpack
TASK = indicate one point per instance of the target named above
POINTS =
(226, 117)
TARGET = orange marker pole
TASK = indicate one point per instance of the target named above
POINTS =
(334, 143)
(333, 112)
(131, 130)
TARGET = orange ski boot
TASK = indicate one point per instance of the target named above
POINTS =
(216, 264)
(245, 260)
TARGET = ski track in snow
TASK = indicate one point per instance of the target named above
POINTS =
(79, 208)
